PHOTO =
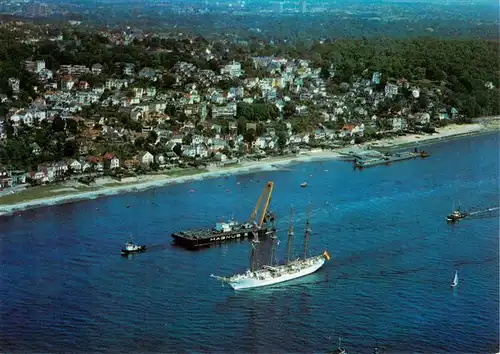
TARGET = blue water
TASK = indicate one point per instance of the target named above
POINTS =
(64, 286)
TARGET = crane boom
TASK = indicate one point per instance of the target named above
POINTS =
(268, 189)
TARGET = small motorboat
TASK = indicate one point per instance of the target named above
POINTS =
(456, 215)
(422, 153)
(339, 350)
(303, 184)
(131, 247)
(455, 280)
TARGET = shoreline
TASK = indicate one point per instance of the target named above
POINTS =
(68, 194)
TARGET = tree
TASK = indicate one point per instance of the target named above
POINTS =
(249, 136)
(168, 81)
(282, 139)
(72, 126)
(140, 142)
(152, 137)
(187, 139)
(178, 149)
(70, 148)
(289, 109)
(58, 124)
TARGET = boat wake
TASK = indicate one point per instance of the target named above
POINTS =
(484, 211)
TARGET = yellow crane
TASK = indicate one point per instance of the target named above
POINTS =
(266, 194)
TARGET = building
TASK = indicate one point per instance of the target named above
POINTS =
(14, 84)
(224, 111)
(232, 70)
(96, 69)
(111, 161)
(146, 158)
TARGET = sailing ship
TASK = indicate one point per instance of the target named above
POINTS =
(274, 274)
(455, 280)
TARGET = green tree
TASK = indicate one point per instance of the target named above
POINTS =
(249, 136)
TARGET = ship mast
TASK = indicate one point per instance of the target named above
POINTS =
(253, 256)
(306, 235)
(273, 248)
(290, 234)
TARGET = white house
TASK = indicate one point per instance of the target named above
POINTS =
(111, 161)
(85, 165)
(75, 165)
(146, 158)
(398, 123)
(391, 90)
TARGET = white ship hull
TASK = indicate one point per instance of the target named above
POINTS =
(275, 275)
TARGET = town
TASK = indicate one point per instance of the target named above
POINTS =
(214, 106)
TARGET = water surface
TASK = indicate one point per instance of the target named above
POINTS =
(64, 286)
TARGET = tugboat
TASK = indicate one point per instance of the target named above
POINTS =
(456, 215)
(131, 247)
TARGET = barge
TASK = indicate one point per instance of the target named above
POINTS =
(386, 159)
(232, 230)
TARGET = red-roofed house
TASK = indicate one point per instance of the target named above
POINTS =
(351, 129)
(83, 85)
(67, 83)
(111, 161)
(96, 162)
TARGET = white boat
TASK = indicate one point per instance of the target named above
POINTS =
(303, 184)
(269, 275)
(455, 280)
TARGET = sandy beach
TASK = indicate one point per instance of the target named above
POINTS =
(72, 191)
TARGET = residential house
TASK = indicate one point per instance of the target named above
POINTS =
(111, 161)
(399, 123)
(147, 73)
(14, 84)
(160, 159)
(96, 69)
(5, 179)
(37, 176)
(443, 114)
(172, 157)
(83, 85)
(347, 130)
(75, 165)
(85, 166)
(96, 163)
(220, 157)
(145, 158)
(232, 70)
(224, 111)
(67, 83)
(423, 118)
(61, 168)
(35, 149)
(391, 90)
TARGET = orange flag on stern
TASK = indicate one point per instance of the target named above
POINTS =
(326, 255)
